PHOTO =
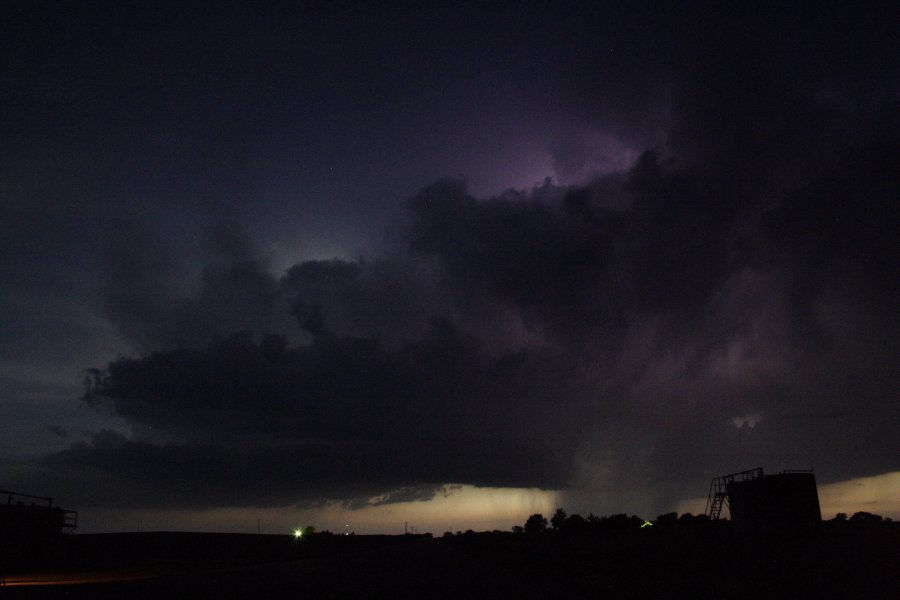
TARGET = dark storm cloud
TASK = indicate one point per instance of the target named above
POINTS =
(158, 301)
(335, 418)
(766, 100)
(58, 431)
(720, 297)
(639, 342)
(842, 228)
(389, 299)
(116, 471)
(575, 266)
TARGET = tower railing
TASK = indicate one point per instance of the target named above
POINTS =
(718, 490)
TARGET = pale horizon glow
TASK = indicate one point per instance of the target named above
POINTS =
(464, 507)
(459, 509)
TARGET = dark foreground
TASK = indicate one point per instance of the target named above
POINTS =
(859, 563)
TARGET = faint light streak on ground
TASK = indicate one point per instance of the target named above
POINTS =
(45, 579)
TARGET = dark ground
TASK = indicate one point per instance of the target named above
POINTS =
(652, 563)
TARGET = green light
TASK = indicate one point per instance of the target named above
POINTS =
(298, 533)
(646, 524)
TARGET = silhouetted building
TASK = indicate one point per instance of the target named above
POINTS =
(30, 526)
(766, 503)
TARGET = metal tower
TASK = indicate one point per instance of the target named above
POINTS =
(718, 490)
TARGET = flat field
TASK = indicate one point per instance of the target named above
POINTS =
(652, 563)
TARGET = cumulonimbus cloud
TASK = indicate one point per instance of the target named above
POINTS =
(533, 337)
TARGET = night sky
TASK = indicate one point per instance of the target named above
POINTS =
(356, 265)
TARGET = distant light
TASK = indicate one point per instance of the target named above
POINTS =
(298, 533)
(646, 524)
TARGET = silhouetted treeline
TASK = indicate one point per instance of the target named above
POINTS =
(564, 523)
(860, 517)
(861, 521)
(692, 556)
(561, 522)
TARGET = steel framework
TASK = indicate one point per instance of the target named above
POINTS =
(718, 490)
(43, 512)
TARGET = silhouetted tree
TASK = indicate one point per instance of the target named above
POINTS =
(622, 521)
(559, 519)
(840, 518)
(576, 523)
(536, 523)
(866, 517)
(666, 519)
(518, 529)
